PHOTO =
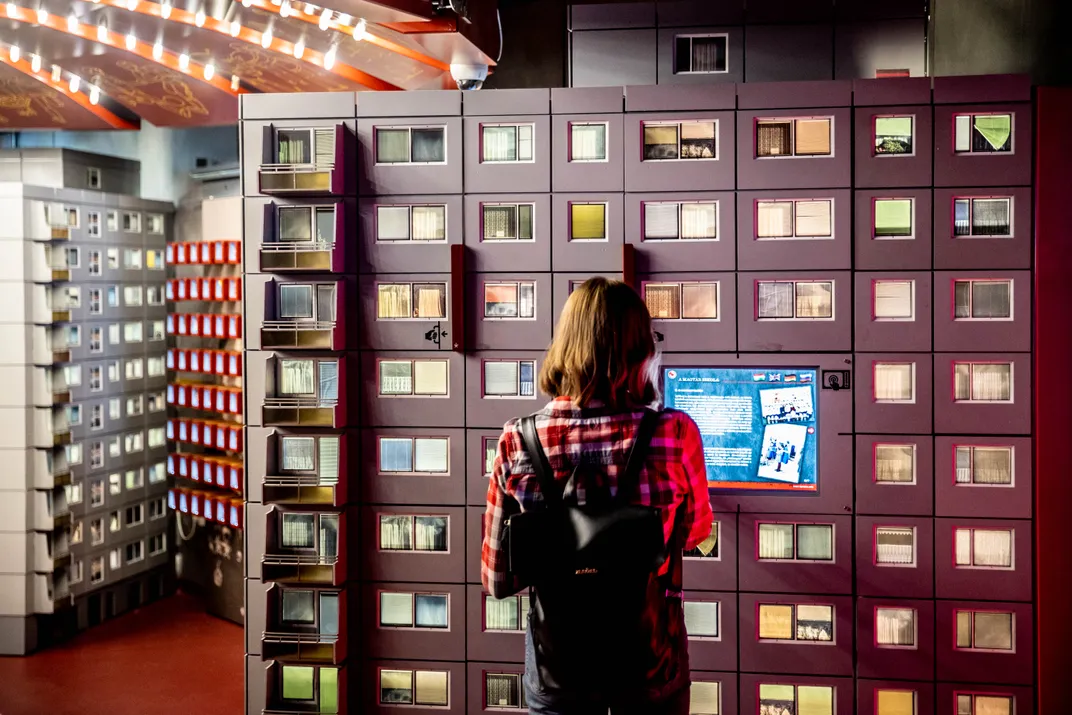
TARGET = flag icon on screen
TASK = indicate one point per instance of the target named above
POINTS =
(805, 378)
(790, 378)
(759, 376)
(671, 374)
(775, 377)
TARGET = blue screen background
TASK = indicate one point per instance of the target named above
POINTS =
(764, 456)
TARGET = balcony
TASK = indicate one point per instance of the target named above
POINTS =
(304, 162)
(42, 512)
(306, 489)
(302, 179)
(303, 568)
(300, 412)
(297, 256)
(306, 647)
(43, 593)
(58, 233)
(298, 334)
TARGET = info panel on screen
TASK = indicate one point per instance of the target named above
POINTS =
(759, 425)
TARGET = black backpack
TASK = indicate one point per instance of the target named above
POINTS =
(593, 570)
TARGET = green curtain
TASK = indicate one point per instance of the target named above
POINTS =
(995, 128)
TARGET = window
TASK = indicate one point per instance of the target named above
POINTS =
(406, 301)
(305, 146)
(319, 455)
(300, 607)
(300, 532)
(132, 296)
(982, 300)
(96, 455)
(93, 178)
(413, 533)
(96, 531)
(704, 698)
(135, 515)
(414, 455)
(296, 302)
(156, 331)
(503, 691)
(96, 493)
(795, 300)
(894, 136)
(796, 542)
(796, 699)
(893, 218)
(423, 378)
(985, 630)
(509, 378)
(893, 300)
(803, 218)
(155, 366)
(132, 258)
(983, 548)
(701, 619)
(414, 687)
(895, 627)
(154, 259)
(73, 493)
(895, 702)
(115, 411)
(76, 532)
(154, 295)
(74, 335)
(157, 473)
(135, 551)
(115, 559)
(708, 548)
(133, 442)
(131, 222)
(96, 570)
(508, 614)
(700, 54)
(895, 463)
(490, 452)
(96, 340)
(411, 223)
(115, 484)
(510, 300)
(588, 222)
(94, 301)
(157, 508)
(684, 220)
(895, 382)
(507, 222)
(506, 143)
(156, 224)
(135, 479)
(985, 466)
(411, 145)
(972, 704)
(682, 301)
(113, 225)
(72, 375)
(796, 622)
(413, 610)
(157, 544)
(115, 447)
(113, 296)
(95, 384)
(982, 382)
(74, 574)
(314, 378)
(74, 414)
(113, 370)
(135, 369)
(670, 141)
(156, 437)
(811, 136)
(982, 217)
(982, 133)
(588, 141)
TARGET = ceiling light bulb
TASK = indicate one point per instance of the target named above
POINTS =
(94, 94)
(325, 19)
(13, 53)
(310, 9)
(199, 18)
(299, 48)
(266, 39)
(158, 51)
(57, 73)
(343, 19)
(234, 82)
(102, 33)
(132, 5)
(236, 27)
(247, 3)
(210, 70)
(165, 10)
(42, 16)
(184, 62)
(359, 30)
(284, 9)
(35, 63)
(76, 82)
(11, 9)
(72, 23)
(132, 41)
(329, 58)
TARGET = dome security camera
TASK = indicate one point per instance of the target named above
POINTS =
(469, 77)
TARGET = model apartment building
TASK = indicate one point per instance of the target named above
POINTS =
(83, 515)
(406, 255)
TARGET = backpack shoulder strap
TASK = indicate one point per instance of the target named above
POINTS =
(638, 453)
(552, 495)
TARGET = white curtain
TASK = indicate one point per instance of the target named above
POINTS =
(699, 220)
(501, 377)
(296, 377)
(588, 142)
(894, 382)
(430, 455)
(660, 220)
(501, 614)
(814, 300)
(430, 533)
(328, 471)
(500, 143)
(991, 382)
(392, 146)
(813, 218)
(701, 618)
(815, 542)
(298, 454)
(893, 299)
(429, 377)
(983, 547)
(774, 219)
(429, 223)
(324, 144)
(894, 463)
(991, 465)
(895, 545)
(431, 299)
(895, 626)
(396, 533)
(392, 223)
(526, 299)
(775, 541)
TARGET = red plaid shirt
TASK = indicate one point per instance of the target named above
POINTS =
(674, 477)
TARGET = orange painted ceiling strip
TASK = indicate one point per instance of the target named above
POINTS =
(79, 98)
(118, 41)
(254, 38)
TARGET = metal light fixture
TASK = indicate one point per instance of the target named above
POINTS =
(102, 33)
(94, 94)
(165, 10)
(132, 41)
(72, 24)
(57, 74)
(42, 16)
(325, 19)
(359, 29)
(199, 18)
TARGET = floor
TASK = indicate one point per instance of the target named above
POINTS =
(168, 658)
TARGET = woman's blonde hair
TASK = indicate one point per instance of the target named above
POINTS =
(603, 347)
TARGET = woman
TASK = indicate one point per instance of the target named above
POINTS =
(600, 370)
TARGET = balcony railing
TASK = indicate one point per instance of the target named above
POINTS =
(297, 255)
(60, 233)
(301, 568)
(310, 334)
(296, 178)
(310, 489)
(311, 411)
(300, 646)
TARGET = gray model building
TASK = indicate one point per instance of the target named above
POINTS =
(83, 516)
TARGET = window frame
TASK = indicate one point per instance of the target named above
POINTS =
(139, 555)
(412, 439)
(93, 178)
(409, 240)
(718, 620)
(796, 297)
(135, 221)
(792, 121)
(876, 318)
(895, 646)
(971, 565)
(150, 221)
(516, 206)
(412, 376)
(874, 136)
(535, 378)
(972, 648)
(875, 364)
(508, 283)
(794, 639)
(522, 612)
(913, 693)
(681, 299)
(971, 128)
(971, 299)
(796, 542)
(971, 374)
(409, 129)
(314, 550)
(413, 285)
(314, 301)
(412, 516)
(678, 124)
(829, 201)
(413, 612)
(716, 551)
(522, 702)
(679, 204)
(414, 703)
(910, 236)
(885, 564)
(315, 684)
(516, 126)
(796, 693)
(971, 214)
(957, 694)
(971, 459)
(315, 395)
(569, 142)
(313, 209)
(606, 222)
(874, 463)
(690, 36)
